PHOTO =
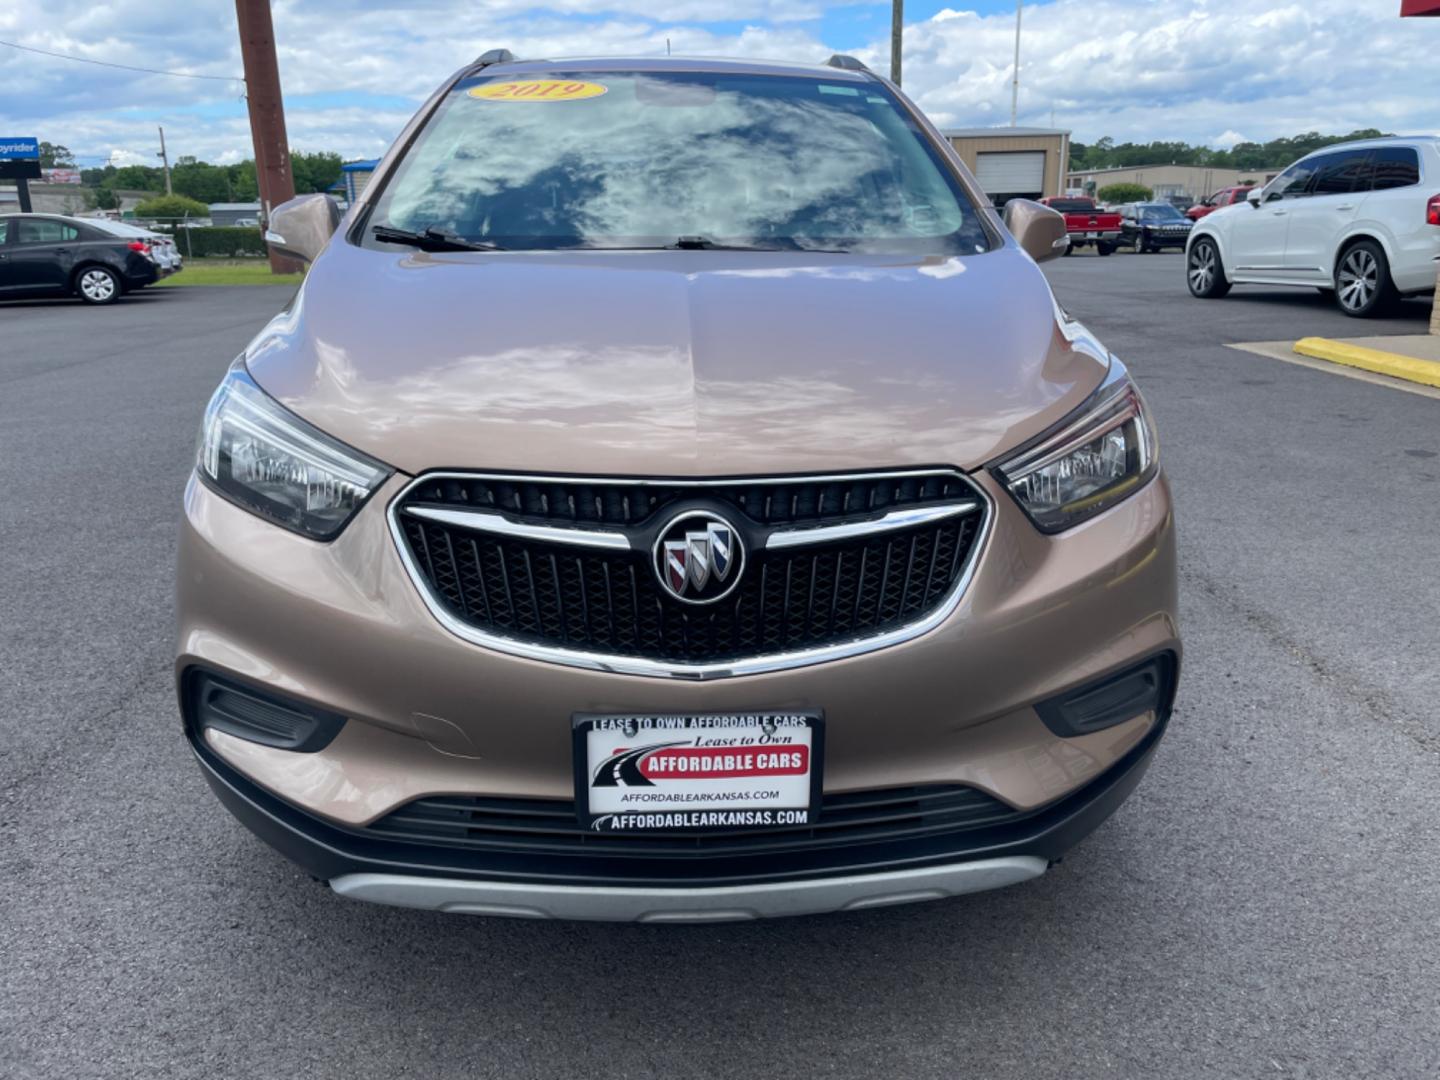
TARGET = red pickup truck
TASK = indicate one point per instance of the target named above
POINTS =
(1224, 197)
(1086, 223)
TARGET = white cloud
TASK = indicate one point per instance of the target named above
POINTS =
(1227, 139)
(1166, 69)
(1131, 69)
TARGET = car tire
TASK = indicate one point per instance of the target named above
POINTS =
(1363, 287)
(1105, 249)
(1140, 246)
(1204, 272)
(97, 285)
(1069, 249)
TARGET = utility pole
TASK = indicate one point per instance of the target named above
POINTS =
(267, 114)
(897, 35)
(1015, 82)
(165, 163)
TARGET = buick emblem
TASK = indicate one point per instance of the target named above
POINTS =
(698, 557)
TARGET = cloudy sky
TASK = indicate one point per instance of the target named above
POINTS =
(1211, 71)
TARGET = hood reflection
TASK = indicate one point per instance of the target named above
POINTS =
(683, 363)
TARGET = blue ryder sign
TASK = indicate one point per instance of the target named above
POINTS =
(18, 149)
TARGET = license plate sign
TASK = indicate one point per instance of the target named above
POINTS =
(692, 772)
(1092, 236)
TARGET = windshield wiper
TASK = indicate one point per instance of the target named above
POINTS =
(430, 239)
(704, 243)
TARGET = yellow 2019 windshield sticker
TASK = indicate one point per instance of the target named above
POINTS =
(538, 90)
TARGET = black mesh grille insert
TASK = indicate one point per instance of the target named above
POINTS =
(620, 503)
(610, 602)
(551, 826)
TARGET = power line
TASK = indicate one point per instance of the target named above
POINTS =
(122, 67)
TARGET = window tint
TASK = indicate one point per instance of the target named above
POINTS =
(1395, 167)
(1294, 182)
(1072, 206)
(4, 232)
(1342, 172)
(40, 231)
(1161, 212)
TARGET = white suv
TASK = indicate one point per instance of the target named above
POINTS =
(1360, 220)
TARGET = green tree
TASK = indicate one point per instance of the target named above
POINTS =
(1122, 193)
(314, 172)
(243, 186)
(138, 178)
(203, 182)
(55, 156)
(171, 206)
(105, 199)
(1246, 156)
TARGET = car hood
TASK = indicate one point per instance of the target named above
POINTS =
(675, 363)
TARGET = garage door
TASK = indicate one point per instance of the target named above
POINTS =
(1011, 173)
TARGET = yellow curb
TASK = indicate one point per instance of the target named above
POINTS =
(1384, 363)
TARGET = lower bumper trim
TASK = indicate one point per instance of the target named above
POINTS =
(733, 903)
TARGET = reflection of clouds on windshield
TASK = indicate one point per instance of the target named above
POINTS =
(754, 165)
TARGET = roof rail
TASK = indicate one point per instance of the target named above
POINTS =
(845, 63)
(495, 56)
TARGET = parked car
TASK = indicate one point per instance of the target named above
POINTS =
(1224, 197)
(646, 512)
(1152, 226)
(162, 247)
(1359, 221)
(52, 254)
(1086, 223)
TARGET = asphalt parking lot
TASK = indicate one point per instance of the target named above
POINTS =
(1265, 905)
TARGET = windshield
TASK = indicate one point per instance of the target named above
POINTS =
(625, 159)
(1161, 213)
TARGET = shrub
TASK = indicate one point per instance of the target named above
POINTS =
(225, 241)
(171, 206)
(1121, 193)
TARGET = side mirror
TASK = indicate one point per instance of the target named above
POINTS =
(1253, 196)
(302, 227)
(1037, 229)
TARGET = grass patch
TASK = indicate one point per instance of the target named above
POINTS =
(228, 272)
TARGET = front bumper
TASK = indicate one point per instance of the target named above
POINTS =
(366, 868)
(342, 627)
(1163, 240)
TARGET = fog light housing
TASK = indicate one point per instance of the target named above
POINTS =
(257, 716)
(1145, 687)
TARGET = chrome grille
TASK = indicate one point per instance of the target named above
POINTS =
(561, 569)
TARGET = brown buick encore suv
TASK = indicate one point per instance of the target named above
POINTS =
(674, 494)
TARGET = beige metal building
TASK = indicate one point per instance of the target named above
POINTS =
(1167, 181)
(1014, 162)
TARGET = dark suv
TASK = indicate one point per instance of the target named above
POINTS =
(1151, 226)
(44, 254)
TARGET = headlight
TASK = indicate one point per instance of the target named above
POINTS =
(1102, 455)
(274, 464)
